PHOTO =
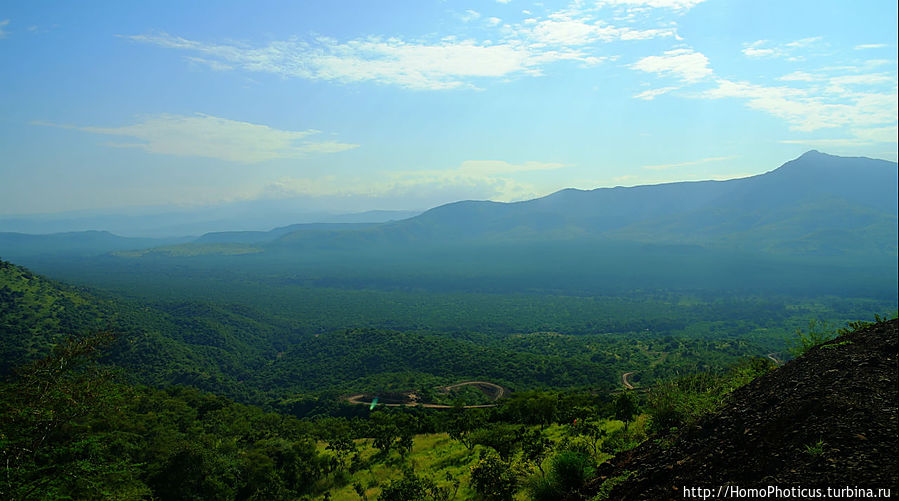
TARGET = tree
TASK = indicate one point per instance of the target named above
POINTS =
(504, 438)
(494, 479)
(625, 407)
(47, 446)
(392, 430)
(412, 487)
(461, 423)
(535, 447)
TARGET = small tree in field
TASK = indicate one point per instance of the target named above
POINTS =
(625, 407)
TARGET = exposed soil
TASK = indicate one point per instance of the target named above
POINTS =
(625, 382)
(843, 394)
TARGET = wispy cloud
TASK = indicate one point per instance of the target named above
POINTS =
(3, 25)
(572, 28)
(213, 137)
(527, 48)
(859, 137)
(765, 49)
(477, 179)
(649, 95)
(470, 15)
(445, 64)
(686, 65)
(663, 4)
(687, 164)
(870, 46)
(812, 109)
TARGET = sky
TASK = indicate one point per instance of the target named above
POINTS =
(347, 106)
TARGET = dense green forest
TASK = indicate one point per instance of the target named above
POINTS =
(263, 343)
(161, 380)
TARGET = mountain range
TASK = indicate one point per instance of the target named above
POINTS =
(817, 223)
(816, 203)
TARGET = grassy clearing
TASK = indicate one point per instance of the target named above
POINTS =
(433, 455)
(444, 460)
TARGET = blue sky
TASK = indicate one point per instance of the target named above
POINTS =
(358, 105)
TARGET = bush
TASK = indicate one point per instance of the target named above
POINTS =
(494, 479)
(679, 402)
(570, 470)
(817, 333)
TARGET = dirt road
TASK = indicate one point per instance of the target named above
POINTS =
(625, 382)
(487, 387)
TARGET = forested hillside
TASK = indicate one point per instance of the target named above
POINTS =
(253, 355)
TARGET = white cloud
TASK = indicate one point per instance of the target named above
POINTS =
(663, 4)
(470, 15)
(812, 109)
(687, 164)
(526, 48)
(649, 95)
(800, 76)
(472, 179)
(564, 29)
(828, 143)
(804, 42)
(886, 134)
(765, 49)
(493, 167)
(870, 46)
(213, 137)
(503, 1)
(685, 64)
(863, 79)
(416, 65)
(214, 65)
(756, 49)
(3, 24)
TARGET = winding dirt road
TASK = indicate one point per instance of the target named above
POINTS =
(497, 390)
(625, 382)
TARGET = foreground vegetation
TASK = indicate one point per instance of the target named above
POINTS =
(71, 429)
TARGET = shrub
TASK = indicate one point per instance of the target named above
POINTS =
(570, 470)
(817, 333)
(494, 479)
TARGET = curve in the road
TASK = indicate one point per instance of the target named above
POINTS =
(497, 391)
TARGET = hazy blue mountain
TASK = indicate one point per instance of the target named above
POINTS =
(18, 245)
(818, 223)
(251, 237)
(167, 221)
(80, 243)
(817, 203)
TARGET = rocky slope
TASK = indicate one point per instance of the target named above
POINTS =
(826, 419)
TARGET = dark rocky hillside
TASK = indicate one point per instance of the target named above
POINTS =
(842, 395)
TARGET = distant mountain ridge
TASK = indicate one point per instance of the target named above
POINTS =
(815, 203)
(840, 211)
